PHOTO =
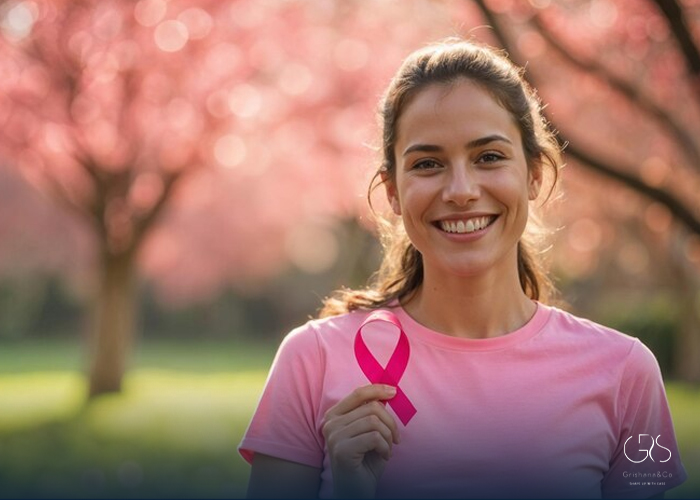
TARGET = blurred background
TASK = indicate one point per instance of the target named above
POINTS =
(183, 181)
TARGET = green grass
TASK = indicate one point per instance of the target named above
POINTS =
(173, 431)
(169, 434)
(684, 401)
(191, 356)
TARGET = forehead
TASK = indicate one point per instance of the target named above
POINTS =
(461, 109)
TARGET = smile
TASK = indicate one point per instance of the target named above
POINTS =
(467, 225)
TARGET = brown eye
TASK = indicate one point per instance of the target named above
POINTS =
(426, 165)
(490, 157)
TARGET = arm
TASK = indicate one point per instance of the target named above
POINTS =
(643, 409)
(272, 477)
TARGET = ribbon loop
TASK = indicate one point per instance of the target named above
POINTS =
(396, 366)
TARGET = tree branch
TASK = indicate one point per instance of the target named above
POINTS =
(674, 14)
(497, 31)
(143, 225)
(679, 210)
(60, 195)
(632, 93)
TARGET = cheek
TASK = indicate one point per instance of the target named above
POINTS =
(509, 187)
(512, 193)
(415, 198)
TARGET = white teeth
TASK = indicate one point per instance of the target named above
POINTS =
(471, 225)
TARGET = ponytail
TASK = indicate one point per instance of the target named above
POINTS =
(533, 279)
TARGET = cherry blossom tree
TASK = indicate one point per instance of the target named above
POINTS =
(200, 142)
(621, 80)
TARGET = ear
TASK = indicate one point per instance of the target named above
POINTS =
(534, 181)
(391, 194)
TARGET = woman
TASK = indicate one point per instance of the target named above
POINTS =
(491, 393)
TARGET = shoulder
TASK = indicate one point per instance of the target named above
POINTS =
(318, 344)
(637, 356)
(324, 333)
(569, 323)
(621, 355)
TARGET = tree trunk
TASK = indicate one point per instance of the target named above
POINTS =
(112, 334)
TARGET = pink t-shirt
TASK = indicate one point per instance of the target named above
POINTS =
(561, 407)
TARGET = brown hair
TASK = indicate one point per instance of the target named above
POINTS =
(401, 271)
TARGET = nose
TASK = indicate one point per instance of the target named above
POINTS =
(461, 187)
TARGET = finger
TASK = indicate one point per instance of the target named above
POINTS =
(362, 395)
(370, 423)
(339, 437)
(365, 443)
(373, 413)
(377, 409)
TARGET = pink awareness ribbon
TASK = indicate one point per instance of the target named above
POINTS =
(394, 368)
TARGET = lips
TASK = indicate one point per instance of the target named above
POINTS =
(466, 225)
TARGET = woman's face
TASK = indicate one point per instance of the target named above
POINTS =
(462, 184)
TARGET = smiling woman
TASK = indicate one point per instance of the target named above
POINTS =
(486, 73)
(487, 391)
(453, 173)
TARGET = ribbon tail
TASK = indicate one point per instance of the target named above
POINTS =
(402, 406)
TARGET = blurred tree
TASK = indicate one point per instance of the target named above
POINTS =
(99, 114)
(248, 120)
(622, 80)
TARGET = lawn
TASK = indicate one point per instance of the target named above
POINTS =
(173, 431)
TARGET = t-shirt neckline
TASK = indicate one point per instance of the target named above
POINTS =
(417, 331)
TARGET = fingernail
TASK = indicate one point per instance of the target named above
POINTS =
(390, 389)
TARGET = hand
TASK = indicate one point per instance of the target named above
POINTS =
(360, 433)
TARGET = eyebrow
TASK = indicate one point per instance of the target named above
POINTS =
(482, 141)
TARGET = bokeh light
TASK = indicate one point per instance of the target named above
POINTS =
(150, 12)
(171, 35)
(17, 19)
(230, 150)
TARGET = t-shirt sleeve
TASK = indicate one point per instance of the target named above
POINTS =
(284, 423)
(646, 461)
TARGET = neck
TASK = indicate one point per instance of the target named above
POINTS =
(481, 306)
